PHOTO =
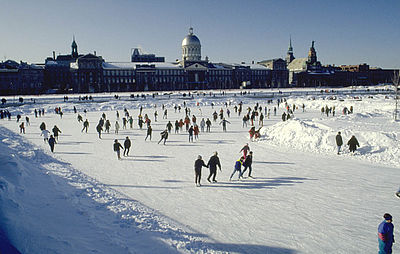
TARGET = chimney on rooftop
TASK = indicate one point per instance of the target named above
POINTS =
(54, 55)
(95, 52)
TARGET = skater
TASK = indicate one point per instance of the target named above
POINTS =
(52, 142)
(45, 134)
(80, 119)
(223, 122)
(164, 136)
(339, 142)
(124, 121)
(202, 124)
(56, 131)
(22, 128)
(85, 126)
(208, 123)
(42, 126)
(149, 132)
(252, 131)
(117, 147)
(99, 129)
(284, 116)
(169, 126)
(196, 131)
(198, 164)
(212, 164)
(116, 127)
(107, 125)
(27, 121)
(190, 131)
(247, 164)
(176, 127)
(385, 235)
(244, 120)
(130, 122)
(238, 167)
(245, 149)
(127, 146)
(353, 143)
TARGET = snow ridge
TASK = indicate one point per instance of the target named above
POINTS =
(80, 190)
(311, 136)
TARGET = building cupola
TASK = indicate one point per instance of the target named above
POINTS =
(191, 47)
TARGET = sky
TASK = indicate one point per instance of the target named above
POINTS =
(231, 31)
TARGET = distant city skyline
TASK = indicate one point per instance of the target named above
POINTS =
(345, 32)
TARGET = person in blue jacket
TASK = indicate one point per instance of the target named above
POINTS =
(238, 167)
(385, 235)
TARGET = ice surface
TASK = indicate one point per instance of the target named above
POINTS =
(304, 198)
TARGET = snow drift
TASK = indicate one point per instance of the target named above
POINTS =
(311, 136)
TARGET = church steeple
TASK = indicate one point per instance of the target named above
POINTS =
(289, 56)
(74, 47)
(312, 54)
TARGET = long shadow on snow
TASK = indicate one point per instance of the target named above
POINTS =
(130, 211)
(142, 186)
(273, 162)
(132, 159)
(74, 143)
(260, 183)
(152, 156)
(218, 141)
(71, 153)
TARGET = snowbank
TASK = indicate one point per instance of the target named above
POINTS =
(311, 136)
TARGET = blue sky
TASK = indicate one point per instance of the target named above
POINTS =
(345, 32)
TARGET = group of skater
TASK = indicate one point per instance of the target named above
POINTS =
(245, 161)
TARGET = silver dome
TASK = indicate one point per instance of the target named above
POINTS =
(191, 39)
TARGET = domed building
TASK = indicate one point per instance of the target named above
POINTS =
(191, 47)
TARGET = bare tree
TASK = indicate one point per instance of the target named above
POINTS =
(396, 82)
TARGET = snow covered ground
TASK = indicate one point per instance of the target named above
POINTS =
(304, 198)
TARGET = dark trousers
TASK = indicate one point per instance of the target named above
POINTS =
(126, 151)
(52, 148)
(245, 168)
(213, 174)
(197, 176)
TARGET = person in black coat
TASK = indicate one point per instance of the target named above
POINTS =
(99, 129)
(149, 132)
(56, 131)
(339, 142)
(198, 164)
(52, 142)
(42, 126)
(247, 164)
(117, 146)
(212, 164)
(127, 146)
(190, 131)
(164, 136)
(353, 143)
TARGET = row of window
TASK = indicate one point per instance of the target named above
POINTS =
(118, 73)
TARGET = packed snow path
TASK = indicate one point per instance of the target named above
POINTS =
(299, 201)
